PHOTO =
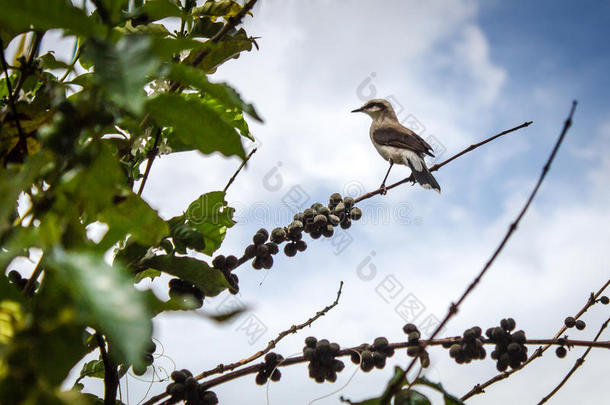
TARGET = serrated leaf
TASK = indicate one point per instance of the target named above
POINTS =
(195, 124)
(211, 216)
(106, 300)
(21, 15)
(209, 280)
(221, 92)
(123, 69)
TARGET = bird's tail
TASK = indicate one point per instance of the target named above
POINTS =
(424, 177)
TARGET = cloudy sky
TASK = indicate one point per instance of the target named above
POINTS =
(457, 71)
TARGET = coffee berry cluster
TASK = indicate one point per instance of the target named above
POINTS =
(317, 221)
(415, 348)
(226, 265)
(375, 355)
(469, 348)
(268, 370)
(510, 347)
(185, 292)
(323, 366)
(186, 388)
(570, 322)
(261, 251)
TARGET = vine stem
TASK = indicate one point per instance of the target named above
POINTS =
(241, 166)
(480, 388)
(453, 309)
(579, 362)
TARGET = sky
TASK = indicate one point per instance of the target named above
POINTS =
(456, 72)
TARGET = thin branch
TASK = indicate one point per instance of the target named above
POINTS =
(578, 363)
(453, 309)
(439, 165)
(37, 39)
(29, 286)
(11, 95)
(255, 368)
(111, 375)
(231, 23)
(241, 166)
(293, 329)
(480, 388)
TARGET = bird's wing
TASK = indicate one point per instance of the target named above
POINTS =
(401, 137)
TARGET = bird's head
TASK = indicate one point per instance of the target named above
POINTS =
(377, 108)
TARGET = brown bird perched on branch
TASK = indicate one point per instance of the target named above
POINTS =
(398, 144)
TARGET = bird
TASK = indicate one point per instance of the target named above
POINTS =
(398, 144)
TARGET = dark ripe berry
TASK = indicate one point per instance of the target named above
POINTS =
(518, 336)
(561, 352)
(346, 223)
(569, 322)
(513, 347)
(355, 358)
(477, 331)
(267, 262)
(219, 262)
(272, 248)
(334, 220)
(301, 245)
(259, 238)
(338, 366)
(320, 220)
(508, 324)
(324, 211)
(334, 348)
(604, 300)
(455, 350)
(379, 359)
(311, 341)
(328, 231)
(367, 366)
(349, 202)
(257, 263)
(261, 378)
(264, 232)
(308, 214)
(380, 343)
(176, 390)
(489, 332)
(339, 209)
(469, 335)
(290, 249)
(278, 235)
(355, 213)
(186, 372)
(271, 358)
(494, 355)
(309, 353)
(209, 398)
(414, 336)
(335, 199)
(299, 216)
(178, 376)
(151, 347)
(250, 251)
(295, 227)
(501, 366)
(190, 383)
(276, 375)
(580, 324)
(315, 234)
(262, 250)
(367, 356)
(408, 328)
(148, 359)
(231, 262)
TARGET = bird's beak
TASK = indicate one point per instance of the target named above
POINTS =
(358, 109)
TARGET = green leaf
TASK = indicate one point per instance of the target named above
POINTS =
(211, 216)
(218, 8)
(222, 92)
(411, 397)
(21, 15)
(150, 273)
(218, 52)
(209, 280)
(106, 300)
(48, 61)
(449, 398)
(158, 9)
(123, 69)
(135, 217)
(93, 368)
(195, 124)
(204, 27)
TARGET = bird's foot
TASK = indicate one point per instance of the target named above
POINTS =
(384, 189)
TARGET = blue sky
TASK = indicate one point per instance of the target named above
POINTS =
(466, 70)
